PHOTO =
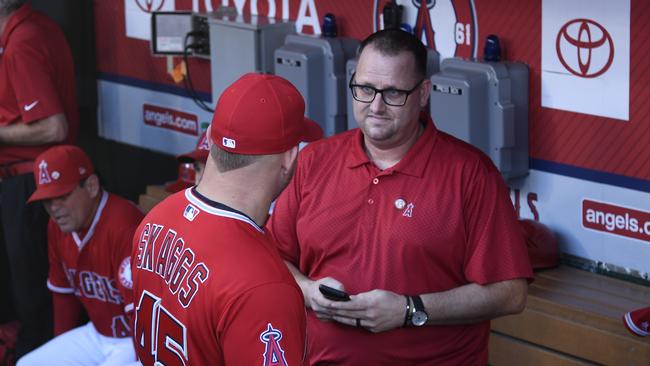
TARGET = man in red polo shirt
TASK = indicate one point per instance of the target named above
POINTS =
(37, 109)
(415, 225)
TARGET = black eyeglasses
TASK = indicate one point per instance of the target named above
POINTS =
(391, 96)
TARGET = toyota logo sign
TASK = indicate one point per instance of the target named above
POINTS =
(585, 48)
(149, 6)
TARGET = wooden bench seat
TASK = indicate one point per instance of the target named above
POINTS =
(153, 196)
(572, 317)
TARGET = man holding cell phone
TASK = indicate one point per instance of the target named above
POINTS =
(415, 225)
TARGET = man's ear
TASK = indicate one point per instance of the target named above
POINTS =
(92, 185)
(425, 92)
(208, 138)
(290, 157)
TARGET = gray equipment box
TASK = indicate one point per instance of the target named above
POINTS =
(433, 65)
(316, 66)
(243, 43)
(486, 105)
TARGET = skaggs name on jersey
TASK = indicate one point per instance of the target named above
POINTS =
(170, 260)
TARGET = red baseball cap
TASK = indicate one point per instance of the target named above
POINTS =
(59, 170)
(638, 321)
(200, 153)
(261, 114)
(186, 174)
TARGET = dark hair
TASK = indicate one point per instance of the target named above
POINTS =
(226, 161)
(9, 6)
(392, 42)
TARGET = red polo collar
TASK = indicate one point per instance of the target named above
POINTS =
(415, 160)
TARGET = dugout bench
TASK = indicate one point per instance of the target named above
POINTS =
(572, 317)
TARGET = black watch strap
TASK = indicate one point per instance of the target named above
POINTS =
(417, 303)
(407, 315)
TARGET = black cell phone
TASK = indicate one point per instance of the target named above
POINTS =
(333, 294)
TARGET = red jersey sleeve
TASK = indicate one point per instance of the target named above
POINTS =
(282, 224)
(122, 260)
(496, 250)
(31, 76)
(265, 326)
(58, 280)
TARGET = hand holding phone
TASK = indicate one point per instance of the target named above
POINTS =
(333, 294)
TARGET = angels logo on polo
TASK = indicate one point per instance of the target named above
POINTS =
(124, 273)
(408, 212)
(137, 15)
(448, 26)
(43, 174)
(273, 352)
(586, 56)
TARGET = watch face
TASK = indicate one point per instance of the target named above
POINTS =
(419, 318)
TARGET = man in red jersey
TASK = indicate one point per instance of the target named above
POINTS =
(89, 240)
(197, 157)
(38, 108)
(416, 225)
(209, 285)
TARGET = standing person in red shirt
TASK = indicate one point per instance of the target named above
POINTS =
(89, 240)
(38, 108)
(209, 285)
(415, 225)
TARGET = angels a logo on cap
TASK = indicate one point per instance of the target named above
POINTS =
(43, 174)
(203, 144)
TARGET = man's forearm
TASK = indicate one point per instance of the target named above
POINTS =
(67, 311)
(45, 131)
(300, 278)
(474, 303)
